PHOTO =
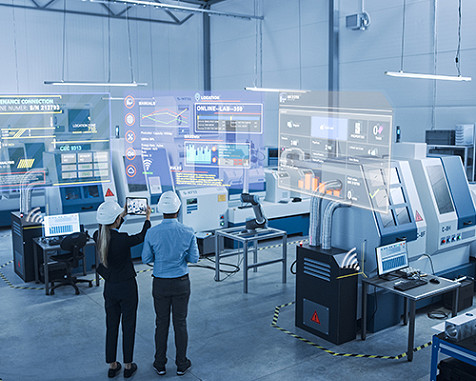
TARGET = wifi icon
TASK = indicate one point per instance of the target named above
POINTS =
(147, 164)
(34, 215)
(350, 260)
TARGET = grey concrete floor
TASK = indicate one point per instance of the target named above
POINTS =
(61, 337)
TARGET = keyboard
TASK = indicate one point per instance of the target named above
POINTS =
(404, 285)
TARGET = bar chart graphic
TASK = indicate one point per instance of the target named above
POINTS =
(198, 154)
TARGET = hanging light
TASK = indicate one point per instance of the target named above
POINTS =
(107, 83)
(273, 90)
(403, 74)
(87, 83)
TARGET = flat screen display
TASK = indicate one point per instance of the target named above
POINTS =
(61, 224)
(391, 257)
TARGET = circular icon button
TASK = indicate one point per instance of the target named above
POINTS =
(129, 101)
(130, 136)
(130, 119)
(131, 170)
(130, 153)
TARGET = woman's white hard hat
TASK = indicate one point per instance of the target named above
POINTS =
(108, 212)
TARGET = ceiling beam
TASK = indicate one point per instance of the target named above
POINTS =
(82, 13)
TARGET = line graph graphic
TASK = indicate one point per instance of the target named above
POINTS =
(165, 117)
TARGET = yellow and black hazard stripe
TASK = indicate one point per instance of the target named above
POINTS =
(145, 270)
(359, 355)
(280, 244)
(11, 285)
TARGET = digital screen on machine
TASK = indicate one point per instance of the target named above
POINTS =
(54, 140)
(196, 139)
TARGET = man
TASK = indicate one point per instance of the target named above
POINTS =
(170, 245)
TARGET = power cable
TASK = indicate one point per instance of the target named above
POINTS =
(130, 44)
(458, 50)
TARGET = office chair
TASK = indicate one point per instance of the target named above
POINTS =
(73, 244)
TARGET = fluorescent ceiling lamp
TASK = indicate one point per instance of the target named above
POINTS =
(102, 84)
(272, 90)
(403, 74)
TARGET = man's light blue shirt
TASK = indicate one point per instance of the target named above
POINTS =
(170, 245)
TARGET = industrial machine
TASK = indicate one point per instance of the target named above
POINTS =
(78, 198)
(461, 327)
(326, 293)
(136, 178)
(204, 209)
(23, 232)
(16, 158)
(273, 192)
(365, 229)
(260, 220)
(448, 207)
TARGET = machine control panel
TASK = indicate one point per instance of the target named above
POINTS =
(457, 238)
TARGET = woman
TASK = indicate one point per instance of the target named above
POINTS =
(120, 288)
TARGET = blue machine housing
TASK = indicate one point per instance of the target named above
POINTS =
(77, 199)
(458, 184)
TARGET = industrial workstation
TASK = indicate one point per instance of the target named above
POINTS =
(267, 189)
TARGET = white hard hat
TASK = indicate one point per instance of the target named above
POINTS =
(169, 203)
(108, 212)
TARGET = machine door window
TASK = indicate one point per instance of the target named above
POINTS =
(440, 189)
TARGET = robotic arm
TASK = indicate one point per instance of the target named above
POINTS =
(260, 220)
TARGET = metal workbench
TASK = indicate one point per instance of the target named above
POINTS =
(238, 234)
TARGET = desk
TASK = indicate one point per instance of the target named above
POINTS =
(464, 350)
(244, 237)
(410, 297)
(49, 250)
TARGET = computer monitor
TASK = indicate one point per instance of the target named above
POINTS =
(392, 257)
(61, 224)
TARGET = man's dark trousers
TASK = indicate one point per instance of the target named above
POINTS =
(171, 295)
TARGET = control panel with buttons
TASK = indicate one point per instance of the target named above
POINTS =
(451, 238)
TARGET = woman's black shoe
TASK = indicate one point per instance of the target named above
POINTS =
(129, 372)
(113, 372)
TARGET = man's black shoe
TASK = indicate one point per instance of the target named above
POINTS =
(181, 370)
(160, 369)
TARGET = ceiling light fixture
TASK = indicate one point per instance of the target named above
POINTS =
(272, 90)
(403, 74)
(86, 83)
(258, 78)
(108, 83)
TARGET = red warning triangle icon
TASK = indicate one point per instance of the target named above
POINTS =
(315, 318)
(109, 193)
(418, 217)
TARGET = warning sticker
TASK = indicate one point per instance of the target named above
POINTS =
(315, 318)
(418, 217)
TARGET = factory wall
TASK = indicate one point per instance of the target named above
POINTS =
(364, 56)
(167, 57)
(284, 63)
